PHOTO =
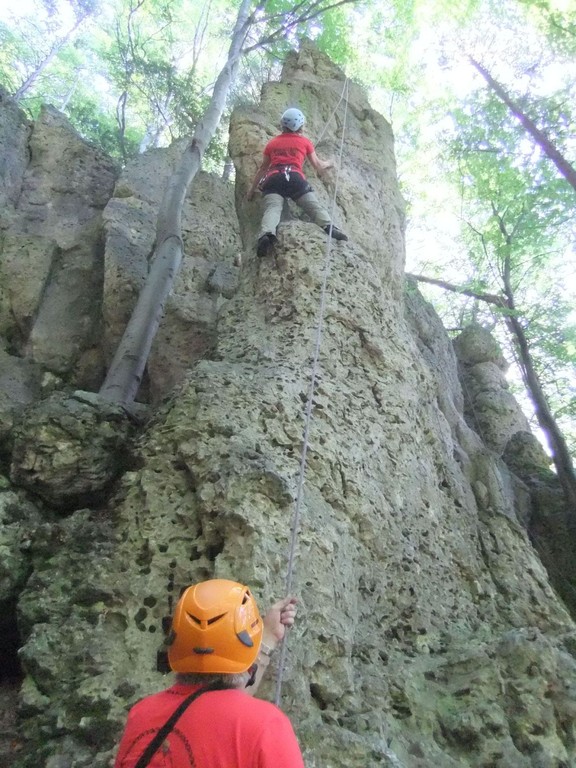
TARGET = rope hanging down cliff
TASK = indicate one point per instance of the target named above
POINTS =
(314, 372)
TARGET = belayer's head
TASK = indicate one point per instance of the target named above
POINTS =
(292, 120)
(216, 629)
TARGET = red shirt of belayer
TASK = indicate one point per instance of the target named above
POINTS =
(221, 729)
(219, 647)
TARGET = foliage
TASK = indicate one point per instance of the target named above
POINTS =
(480, 193)
(557, 20)
(100, 127)
(518, 232)
(12, 50)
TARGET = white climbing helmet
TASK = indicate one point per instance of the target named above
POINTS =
(292, 119)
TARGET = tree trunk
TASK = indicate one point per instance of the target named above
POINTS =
(546, 421)
(560, 453)
(125, 374)
(566, 169)
(489, 298)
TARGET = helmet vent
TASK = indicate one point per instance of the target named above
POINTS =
(245, 638)
(194, 618)
(203, 651)
(215, 619)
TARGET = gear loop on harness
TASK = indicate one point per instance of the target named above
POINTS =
(285, 169)
(313, 376)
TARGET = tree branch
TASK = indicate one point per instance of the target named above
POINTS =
(562, 164)
(313, 13)
(489, 298)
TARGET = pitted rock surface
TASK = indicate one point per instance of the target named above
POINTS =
(68, 450)
(428, 634)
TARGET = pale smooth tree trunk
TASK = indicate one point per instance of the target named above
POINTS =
(566, 169)
(125, 373)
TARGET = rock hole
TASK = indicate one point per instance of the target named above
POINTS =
(139, 617)
(215, 549)
(144, 557)
(10, 669)
(316, 694)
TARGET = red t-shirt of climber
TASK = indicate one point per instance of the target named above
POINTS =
(220, 729)
(289, 149)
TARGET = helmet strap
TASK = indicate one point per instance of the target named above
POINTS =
(252, 679)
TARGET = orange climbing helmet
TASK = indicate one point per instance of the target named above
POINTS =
(216, 629)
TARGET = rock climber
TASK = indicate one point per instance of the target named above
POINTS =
(218, 646)
(280, 176)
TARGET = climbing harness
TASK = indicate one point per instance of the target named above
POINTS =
(272, 171)
(308, 413)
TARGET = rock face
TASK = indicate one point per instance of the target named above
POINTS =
(538, 500)
(206, 280)
(51, 268)
(429, 634)
(489, 405)
(74, 252)
(68, 450)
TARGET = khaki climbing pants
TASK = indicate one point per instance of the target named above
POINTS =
(273, 204)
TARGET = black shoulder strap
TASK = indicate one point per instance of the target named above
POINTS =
(154, 745)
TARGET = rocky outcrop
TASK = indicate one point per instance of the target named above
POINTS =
(489, 405)
(51, 268)
(62, 262)
(429, 634)
(539, 502)
(68, 450)
(51, 258)
(14, 154)
(74, 252)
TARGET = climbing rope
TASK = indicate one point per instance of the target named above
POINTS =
(343, 95)
(311, 389)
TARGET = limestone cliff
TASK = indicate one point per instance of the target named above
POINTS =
(429, 633)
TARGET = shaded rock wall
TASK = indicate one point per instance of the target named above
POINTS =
(51, 268)
(75, 241)
(65, 287)
(538, 499)
(428, 634)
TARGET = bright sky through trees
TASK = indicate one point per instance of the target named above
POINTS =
(137, 74)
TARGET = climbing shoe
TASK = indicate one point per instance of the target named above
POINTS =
(265, 244)
(335, 233)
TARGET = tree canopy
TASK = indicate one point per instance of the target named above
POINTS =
(490, 208)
